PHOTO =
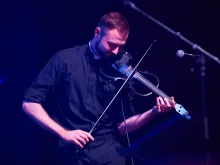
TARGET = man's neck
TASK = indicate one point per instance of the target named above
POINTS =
(93, 49)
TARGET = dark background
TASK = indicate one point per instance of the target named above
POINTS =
(32, 31)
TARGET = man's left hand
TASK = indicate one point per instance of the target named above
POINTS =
(163, 105)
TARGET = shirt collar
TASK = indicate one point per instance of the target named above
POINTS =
(95, 56)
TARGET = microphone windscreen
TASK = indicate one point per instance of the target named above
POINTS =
(180, 53)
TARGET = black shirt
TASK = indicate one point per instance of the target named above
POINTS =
(73, 76)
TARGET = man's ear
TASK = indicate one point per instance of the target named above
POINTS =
(97, 31)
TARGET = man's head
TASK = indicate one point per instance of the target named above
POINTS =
(111, 34)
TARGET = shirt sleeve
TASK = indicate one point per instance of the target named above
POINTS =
(45, 81)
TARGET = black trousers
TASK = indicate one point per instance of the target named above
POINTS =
(102, 151)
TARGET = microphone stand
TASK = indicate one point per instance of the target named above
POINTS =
(202, 63)
(202, 70)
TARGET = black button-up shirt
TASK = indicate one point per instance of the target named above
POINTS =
(73, 76)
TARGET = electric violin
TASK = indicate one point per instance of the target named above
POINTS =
(125, 71)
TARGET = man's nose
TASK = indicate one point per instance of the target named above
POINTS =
(115, 51)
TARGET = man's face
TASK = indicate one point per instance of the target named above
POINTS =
(109, 42)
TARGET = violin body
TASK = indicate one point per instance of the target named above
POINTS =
(110, 72)
(137, 87)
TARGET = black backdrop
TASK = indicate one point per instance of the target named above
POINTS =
(32, 31)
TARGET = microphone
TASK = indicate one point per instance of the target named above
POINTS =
(181, 54)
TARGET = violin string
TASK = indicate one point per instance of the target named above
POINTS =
(152, 86)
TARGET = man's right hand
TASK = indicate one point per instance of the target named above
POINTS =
(78, 137)
(37, 112)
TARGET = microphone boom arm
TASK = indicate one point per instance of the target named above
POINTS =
(177, 34)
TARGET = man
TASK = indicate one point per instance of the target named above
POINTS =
(73, 76)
